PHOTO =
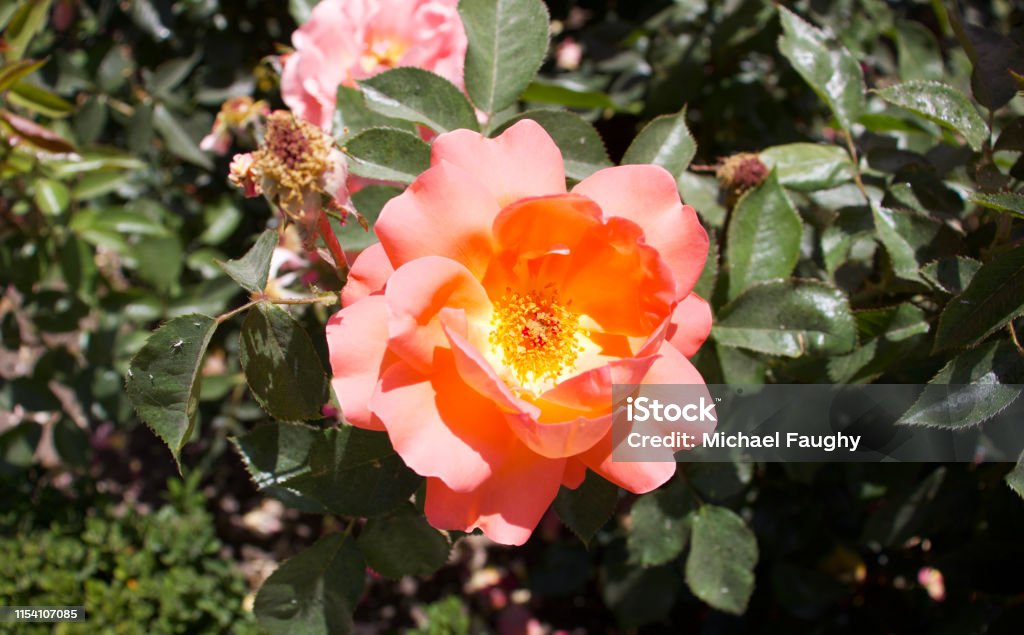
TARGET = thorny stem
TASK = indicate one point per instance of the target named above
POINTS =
(224, 317)
(258, 298)
(327, 233)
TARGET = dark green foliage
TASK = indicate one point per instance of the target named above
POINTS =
(160, 572)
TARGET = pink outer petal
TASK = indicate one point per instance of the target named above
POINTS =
(561, 439)
(575, 472)
(647, 195)
(519, 163)
(440, 427)
(642, 477)
(416, 294)
(636, 477)
(691, 324)
(357, 342)
(369, 274)
(445, 212)
(507, 506)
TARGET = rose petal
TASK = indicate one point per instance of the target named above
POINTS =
(507, 506)
(519, 163)
(416, 294)
(575, 473)
(445, 212)
(357, 341)
(647, 195)
(614, 279)
(691, 324)
(592, 390)
(441, 427)
(369, 274)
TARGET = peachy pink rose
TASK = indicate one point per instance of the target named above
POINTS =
(348, 40)
(485, 331)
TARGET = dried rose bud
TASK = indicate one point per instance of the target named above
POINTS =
(741, 172)
(236, 114)
(297, 168)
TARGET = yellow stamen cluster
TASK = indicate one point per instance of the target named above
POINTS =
(292, 159)
(536, 335)
(383, 52)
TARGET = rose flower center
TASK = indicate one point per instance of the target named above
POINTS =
(384, 52)
(535, 336)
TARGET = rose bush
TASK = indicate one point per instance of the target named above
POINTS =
(485, 330)
(348, 40)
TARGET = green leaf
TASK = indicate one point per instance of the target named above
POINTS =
(890, 225)
(542, 91)
(1006, 202)
(660, 524)
(281, 366)
(403, 543)
(1015, 477)
(25, 23)
(951, 275)
(179, 142)
(825, 64)
(352, 115)
(763, 237)
(388, 154)
(39, 100)
(171, 73)
(100, 183)
(581, 145)
(941, 104)
(970, 389)
(276, 452)
(885, 335)
(355, 472)
(11, 72)
(994, 297)
(587, 508)
(163, 379)
(665, 141)
(637, 595)
(418, 95)
(314, 592)
(51, 196)
(369, 202)
(158, 261)
(252, 269)
(790, 318)
(508, 40)
(918, 52)
(221, 218)
(301, 9)
(809, 166)
(723, 553)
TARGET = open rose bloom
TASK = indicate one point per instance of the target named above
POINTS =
(348, 40)
(486, 329)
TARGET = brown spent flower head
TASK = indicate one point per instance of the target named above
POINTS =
(294, 166)
(741, 172)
